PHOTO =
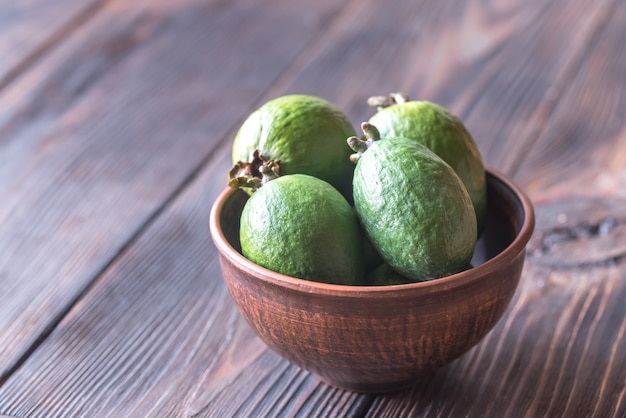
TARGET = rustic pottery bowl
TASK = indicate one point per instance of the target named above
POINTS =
(379, 338)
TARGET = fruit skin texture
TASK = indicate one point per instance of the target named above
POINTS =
(443, 133)
(300, 226)
(306, 133)
(415, 209)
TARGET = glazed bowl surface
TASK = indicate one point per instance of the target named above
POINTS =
(379, 338)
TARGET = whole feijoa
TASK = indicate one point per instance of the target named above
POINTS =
(301, 226)
(302, 134)
(442, 132)
(413, 206)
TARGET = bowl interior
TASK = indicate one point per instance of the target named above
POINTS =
(506, 215)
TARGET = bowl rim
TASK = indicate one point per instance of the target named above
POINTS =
(431, 286)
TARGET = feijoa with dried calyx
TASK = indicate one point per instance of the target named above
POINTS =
(413, 206)
(301, 134)
(442, 132)
(301, 226)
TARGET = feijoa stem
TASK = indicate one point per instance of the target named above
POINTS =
(269, 171)
(381, 102)
(371, 132)
(358, 145)
(398, 98)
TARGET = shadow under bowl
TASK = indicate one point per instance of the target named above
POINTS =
(379, 338)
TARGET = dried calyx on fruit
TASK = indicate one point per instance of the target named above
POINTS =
(249, 176)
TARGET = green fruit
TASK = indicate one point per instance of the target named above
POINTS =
(301, 226)
(384, 275)
(302, 134)
(413, 207)
(443, 133)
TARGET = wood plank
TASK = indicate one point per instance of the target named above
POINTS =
(583, 147)
(560, 350)
(508, 105)
(99, 135)
(28, 29)
(157, 333)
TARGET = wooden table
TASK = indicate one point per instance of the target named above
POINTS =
(116, 122)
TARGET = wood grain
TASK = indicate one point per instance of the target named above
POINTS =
(158, 335)
(499, 66)
(109, 127)
(30, 29)
(558, 352)
(102, 173)
(561, 349)
(583, 146)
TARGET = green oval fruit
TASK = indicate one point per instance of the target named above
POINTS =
(303, 134)
(384, 275)
(413, 207)
(443, 133)
(301, 226)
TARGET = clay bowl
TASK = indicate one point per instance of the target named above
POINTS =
(379, 338)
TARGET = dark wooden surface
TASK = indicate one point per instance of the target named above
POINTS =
(116, 120)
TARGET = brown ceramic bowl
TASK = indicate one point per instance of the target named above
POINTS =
(379, 338)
